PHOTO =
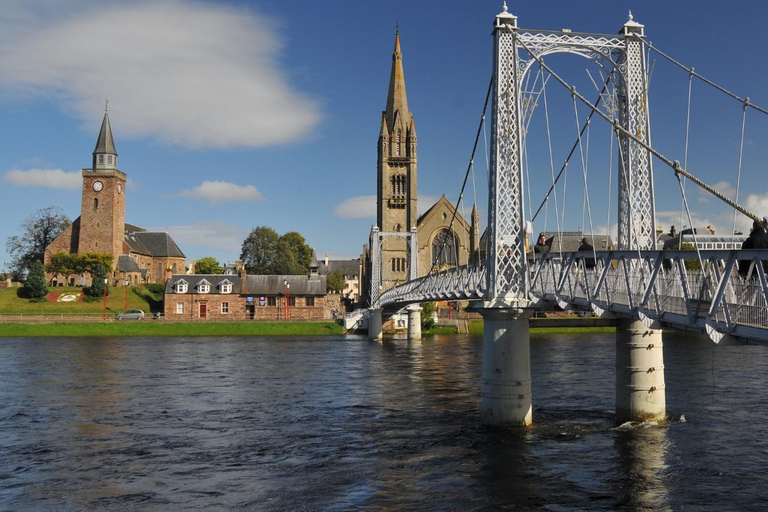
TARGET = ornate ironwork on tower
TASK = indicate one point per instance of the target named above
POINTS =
(623, 58)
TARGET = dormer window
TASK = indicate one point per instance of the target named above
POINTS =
(203, 287)
(181, 286)
(225, 286)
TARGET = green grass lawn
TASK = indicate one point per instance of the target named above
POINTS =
(13, 302)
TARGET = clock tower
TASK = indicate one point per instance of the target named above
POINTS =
(102, 211)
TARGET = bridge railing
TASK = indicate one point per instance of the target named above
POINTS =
(685, 289)
(467, 282)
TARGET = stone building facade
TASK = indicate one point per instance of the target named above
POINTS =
(139, 256)
(445, 238)
(243, 297)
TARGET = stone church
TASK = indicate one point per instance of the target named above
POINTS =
(445, 238)
(139, 256)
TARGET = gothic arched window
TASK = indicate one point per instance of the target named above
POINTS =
(444, 248)
(95, 203)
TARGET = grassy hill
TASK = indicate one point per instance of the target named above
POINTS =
(70, 300)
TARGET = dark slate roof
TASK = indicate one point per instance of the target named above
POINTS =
(348, 268)
(105, 143)
(154, 244)
(273, 285)
(130, 228)
(126, 264)
(135, 245)
(214, 280)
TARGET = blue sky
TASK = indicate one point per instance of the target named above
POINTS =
(231, 115)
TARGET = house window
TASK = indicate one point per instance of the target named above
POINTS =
(224, 308)
(181, 287)
(310, 301)
(226, 287)
(159, 271)
(272, 301)
(179, 308)
(292, 300)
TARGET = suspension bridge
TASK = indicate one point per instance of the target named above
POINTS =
(720, 292)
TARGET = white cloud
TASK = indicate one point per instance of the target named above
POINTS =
(221, 192)
(360, 207)
(187, 73)
(211, 236)
(50, 178)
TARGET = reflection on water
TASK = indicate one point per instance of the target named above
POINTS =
(339, 424)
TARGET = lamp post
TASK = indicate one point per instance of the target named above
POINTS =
(104, 314)
(287, 299)
(126, 283)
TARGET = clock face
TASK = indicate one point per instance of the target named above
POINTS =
(119, 188)
(97, 186)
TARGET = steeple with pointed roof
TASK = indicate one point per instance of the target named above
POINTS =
(104, 154)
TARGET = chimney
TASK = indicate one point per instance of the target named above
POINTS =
(326, 259)
(672, 231)
(243, 279)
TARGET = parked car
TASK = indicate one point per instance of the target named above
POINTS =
(131, 314)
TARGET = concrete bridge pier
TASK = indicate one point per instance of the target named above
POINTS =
(414, 322)
(640, 389)
(506, 385)
(374, 324)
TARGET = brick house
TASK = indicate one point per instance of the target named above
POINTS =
(139, 256)
(244, 297)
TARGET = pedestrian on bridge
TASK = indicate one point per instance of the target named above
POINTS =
(757, 239)
(541, 246)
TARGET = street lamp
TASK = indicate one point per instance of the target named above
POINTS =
(104, 314)
(126, 283)
(287, 299)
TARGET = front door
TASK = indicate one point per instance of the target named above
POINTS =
(203, 310)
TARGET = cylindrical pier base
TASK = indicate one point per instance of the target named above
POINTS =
(506, 386)
(414, 322)
(640, 390)
(374, 324)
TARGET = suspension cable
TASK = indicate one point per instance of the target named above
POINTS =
(720, 88)
(573, 148)
(741, 155)
(675, 165)
(466, 175)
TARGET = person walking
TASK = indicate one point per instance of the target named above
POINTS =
(757, 239)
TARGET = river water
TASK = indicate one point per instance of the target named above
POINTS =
(347, 424)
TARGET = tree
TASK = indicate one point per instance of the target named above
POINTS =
(90, 261)
(64, 263)
(294, 245)
(39, 230)
(259, 250)
(36, 285)
(208, 265)
(266, 252)
(98, 285)
(335, 281)
(427, 317)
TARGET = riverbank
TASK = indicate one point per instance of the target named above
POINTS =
(151, 328)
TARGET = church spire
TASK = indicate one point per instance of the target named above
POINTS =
(397, 101)
(104, 154)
